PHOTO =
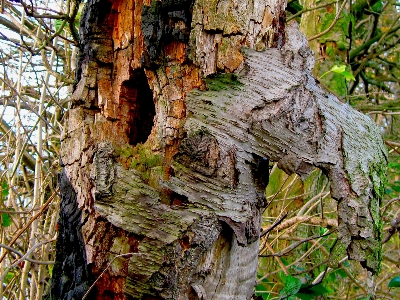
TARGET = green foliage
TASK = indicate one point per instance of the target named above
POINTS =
(291, 286)
(294, 7)
(377, 7)
(61, 24)
(50, 269)
(4, 189)
(394, 282)
(310, 292)
(337, 82)
(393, 185)
(336, 33)
(9, 276)
(341, 69)
(292, 289)
(6, 220)
(262, 289)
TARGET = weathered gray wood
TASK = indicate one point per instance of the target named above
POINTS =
(281, 113)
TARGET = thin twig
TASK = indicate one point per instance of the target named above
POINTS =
(331, 26)
(38, 262)
(383, 209)
(24, 257)
(285, 270)
(274, 225)
(26, 226)
(304, 10)
(295, 245)
(323, 222)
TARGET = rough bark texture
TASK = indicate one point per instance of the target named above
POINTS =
(275, 109)
(163, 169)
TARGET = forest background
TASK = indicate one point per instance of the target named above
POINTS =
(356, 46)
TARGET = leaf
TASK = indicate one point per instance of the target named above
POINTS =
(395, 165)
(396, 187)
(395, 282)
(348, 75)
(338, 69)
(338, 84)
(58, 23)
(292, 285)
(342, 71)
(50, 269)
(294, 7)
(309, 291)
(9, 277)
(341, 273)
(377, 7)
(6, 220)
(4, 189)
(305, 296)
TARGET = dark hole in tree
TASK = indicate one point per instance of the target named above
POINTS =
(136, 91)
(178, 200)
(260, 171)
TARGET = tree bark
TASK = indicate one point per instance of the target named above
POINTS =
(163, 184)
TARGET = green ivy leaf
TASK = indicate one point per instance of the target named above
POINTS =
(6, 220)
(342, 71)
(348, 75)
(338, 69)
(395, 282)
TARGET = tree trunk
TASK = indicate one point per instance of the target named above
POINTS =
(164, 173)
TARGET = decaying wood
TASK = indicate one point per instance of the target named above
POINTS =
(155, 164)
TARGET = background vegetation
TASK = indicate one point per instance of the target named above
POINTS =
(357, 58)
